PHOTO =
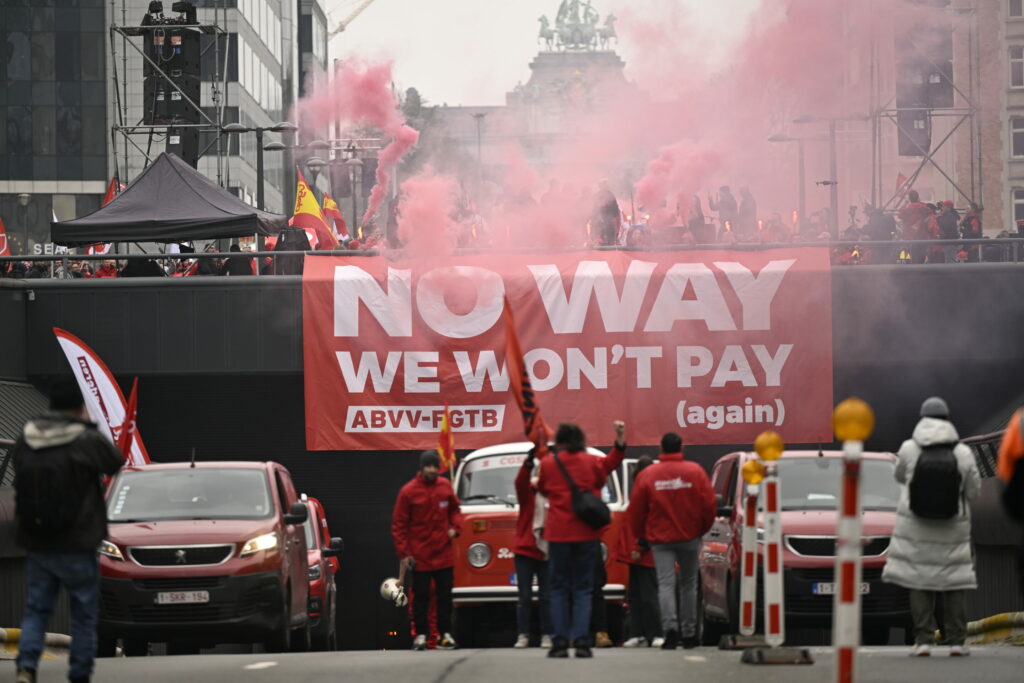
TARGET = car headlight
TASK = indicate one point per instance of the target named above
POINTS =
(264, 542)
(110, 550)
(478, 555)
(314, 572)
(604, 552)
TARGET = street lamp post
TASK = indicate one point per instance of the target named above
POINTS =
(479, 116)
(833, 194)
(281, 127)
(355, 167)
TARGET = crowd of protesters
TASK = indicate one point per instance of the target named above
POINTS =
(594, 217)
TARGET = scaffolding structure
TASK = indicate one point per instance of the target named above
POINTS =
(124, 133)
(965, 113)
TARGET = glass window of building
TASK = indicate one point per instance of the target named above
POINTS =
(1018, 204)
(1017, 66)
(1017, 8)
(1017, 136)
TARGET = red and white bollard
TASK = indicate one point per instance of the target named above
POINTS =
(774, 608)
(769, 446)
(748, 580)
(853, 422)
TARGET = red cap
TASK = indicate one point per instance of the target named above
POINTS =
(947, 204)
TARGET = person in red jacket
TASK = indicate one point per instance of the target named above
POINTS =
(530, 560)
(671, 507)
(572, 544)
(642, 594)
(425, 520)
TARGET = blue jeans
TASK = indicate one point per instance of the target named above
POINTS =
(526, 568)
(79, 573)
(572, 583)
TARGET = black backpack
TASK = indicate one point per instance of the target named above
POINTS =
(48, 496)
(935, 485)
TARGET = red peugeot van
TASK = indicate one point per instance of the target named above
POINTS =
(809, 485)
(204, 553)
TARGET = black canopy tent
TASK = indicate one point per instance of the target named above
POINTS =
(169, 202)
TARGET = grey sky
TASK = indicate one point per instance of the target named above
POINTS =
(474, 51)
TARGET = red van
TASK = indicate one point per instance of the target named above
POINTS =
(322, 553)
(484, 576)
(809, 484)
(204, 553)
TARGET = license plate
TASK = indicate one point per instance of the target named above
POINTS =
(179, 597)
(830, 588)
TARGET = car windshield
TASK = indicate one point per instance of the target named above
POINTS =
(203, 493)
(491, 480)
(813, 483)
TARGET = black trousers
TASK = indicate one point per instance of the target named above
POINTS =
(442, 587)
(598, 608)
(644, 612)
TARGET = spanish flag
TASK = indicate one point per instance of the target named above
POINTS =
(534, 426)
(331, 211)
(308, 216)
(446, 442)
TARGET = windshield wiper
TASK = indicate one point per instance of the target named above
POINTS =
(488, 496)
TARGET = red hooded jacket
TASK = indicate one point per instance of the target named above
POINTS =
(526, 543)
(672, 501)
(424, 512)
(589, 472)
(625, 546)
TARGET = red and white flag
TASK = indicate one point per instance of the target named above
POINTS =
(97, 249)
(128, 427)
(103, 397)
(5, 247)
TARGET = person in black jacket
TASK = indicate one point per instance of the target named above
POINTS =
(64, 556)
(236, 264)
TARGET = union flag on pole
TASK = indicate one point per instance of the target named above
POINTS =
(332, 211)
(446, 442)
(128, 428)
(5, 247)
(534, 426)
(308, 216)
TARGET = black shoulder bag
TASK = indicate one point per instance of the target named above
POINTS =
(591, 510)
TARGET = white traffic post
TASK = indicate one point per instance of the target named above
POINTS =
(769, 446)
(748, 573)
(852, 421)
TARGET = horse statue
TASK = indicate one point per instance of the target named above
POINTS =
(607, 32)
(547, 34)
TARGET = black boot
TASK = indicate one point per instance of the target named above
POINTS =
(671, 640)
(559, 649)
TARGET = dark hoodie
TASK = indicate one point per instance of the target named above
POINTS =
(93, 456)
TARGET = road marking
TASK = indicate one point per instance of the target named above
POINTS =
(695, 658)
(259, 665)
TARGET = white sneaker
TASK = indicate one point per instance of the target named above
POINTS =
(658, 642)
(522, 641)
(633, 642)
(446, 642)
(545, 642)
(921, 650)
(959, 651)
(420, 643)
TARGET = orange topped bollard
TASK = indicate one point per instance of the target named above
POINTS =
(753, 473)
(769, 447)
(852, 421)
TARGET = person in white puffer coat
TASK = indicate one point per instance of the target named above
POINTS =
(930, 556)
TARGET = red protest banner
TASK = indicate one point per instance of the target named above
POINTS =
(716, 345)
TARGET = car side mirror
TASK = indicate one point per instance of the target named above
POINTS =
(334, 548)
(724, 508)
(298, 514)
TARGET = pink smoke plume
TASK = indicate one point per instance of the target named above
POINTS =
(425, 209)
(677, 173)
(360, 94)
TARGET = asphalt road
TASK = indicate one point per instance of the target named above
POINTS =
(881, 664)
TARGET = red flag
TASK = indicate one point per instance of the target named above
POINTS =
(113, 189)
(5, 247)
(446, 442)
(124, 439)
(901, 186)
(332, 211)
(533, 424)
